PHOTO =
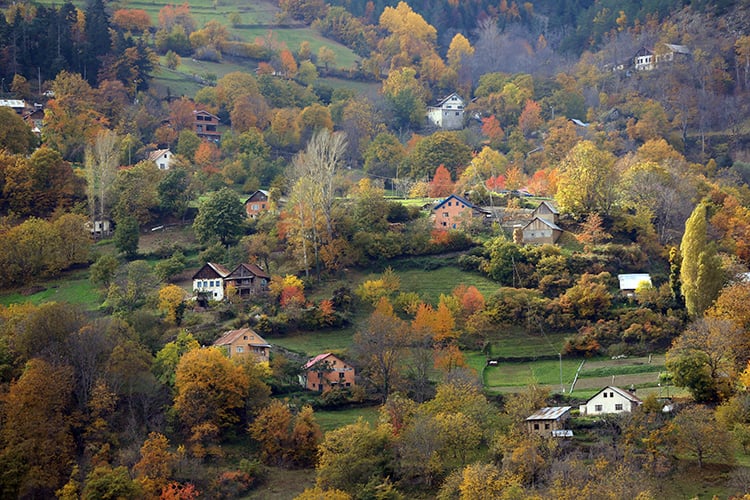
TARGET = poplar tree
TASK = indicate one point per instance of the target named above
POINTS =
(701, 272)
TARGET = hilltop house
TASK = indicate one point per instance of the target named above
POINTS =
(208, 282)
(162, 158)
(610, 400)
(206, 125)
(454, 211)
(447, 113)
(549, 421)
(35, 119)
(17, 105)
(257, 203)
(248, 279)
(541, 231)
(244, 342)
(647, 59)
(326, 371)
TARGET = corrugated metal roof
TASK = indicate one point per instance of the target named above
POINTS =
(631, 281)
(550, 413)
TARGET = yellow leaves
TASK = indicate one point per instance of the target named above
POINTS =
(170, 298)
(460, 48)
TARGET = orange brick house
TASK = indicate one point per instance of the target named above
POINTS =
(257, 203)
(326, 371)
(244, 342)
(454, 211)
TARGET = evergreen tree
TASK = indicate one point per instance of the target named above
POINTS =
(98, 41)
(701, 272)
(126, 236)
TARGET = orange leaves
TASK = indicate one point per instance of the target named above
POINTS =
(441, 184)
(492, 129)
(132, 19)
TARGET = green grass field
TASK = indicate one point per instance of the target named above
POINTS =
(430, 284)
(314, 343)
(333, 419)
(73, 287)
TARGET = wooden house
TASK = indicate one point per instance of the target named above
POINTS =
(208, 282)
(547, 211)
(248, 279)
(244, 342)
(257, 202)
(326, 371)
(206, 125)
(454, 211)
(447, 113)
(610, 400)
(541, 231)
(548, 421)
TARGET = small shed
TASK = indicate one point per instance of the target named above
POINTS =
(547, 420)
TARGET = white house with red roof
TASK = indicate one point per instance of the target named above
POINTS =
(208, 282)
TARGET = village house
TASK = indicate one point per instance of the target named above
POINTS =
(549, 421)
(454, 211)
(35, 119)
(162, 158)
(247, 280)
(610, 400)
(646, 59)
(326, 371)
(244, 342)
(629, 283)
(447, 113)
(17, 105)
(257, 202)
(208, 282)
(206, 125)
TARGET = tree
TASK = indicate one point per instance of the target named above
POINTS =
(379, 346)
(441, 184)
(101, 171)
(36, 438)
(103, 270)
(440, 148)
(210, 393)
(592, 231)
(384, 155)
(701, 271)
(286, 439)
(352, 456)
(104, 482)
(172, 301)
(156, 464)
(172, 59)
(587, 180)
(126, 236)
(707, 357)
(696, 432)
(167, 359)
(15, 136)
(220, 217)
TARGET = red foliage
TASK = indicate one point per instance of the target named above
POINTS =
(177, 491)
(291, 295)
(496, 183)
(441, 184)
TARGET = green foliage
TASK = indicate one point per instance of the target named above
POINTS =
(127, 234)
(220, 217)
(440, 148)
(173, 266)
(187, 144)
(15, 136)
(103, 270)
(106, 483)
(354, 455)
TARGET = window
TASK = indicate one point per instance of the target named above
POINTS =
(445, 214)
(254, 206)
(457, 113)
(546, 426)
(450, 203)
(199, 285)
(536, 427)
(240, 349)
(211, 283)
(597, 407)
(605, 394)
(341, 374)
(618, 407)
(347, 384)
(263, 205)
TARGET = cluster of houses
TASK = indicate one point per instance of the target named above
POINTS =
(552, 420)
(320, 374)
(327, 371)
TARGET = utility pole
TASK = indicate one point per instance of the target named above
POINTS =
(562, 387)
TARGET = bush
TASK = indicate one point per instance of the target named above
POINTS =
(207, 54)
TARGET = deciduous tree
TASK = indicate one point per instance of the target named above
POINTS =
(220, 217)
(587, 181)
(701, 271)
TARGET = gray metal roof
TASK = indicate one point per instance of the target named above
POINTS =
(550, 413)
